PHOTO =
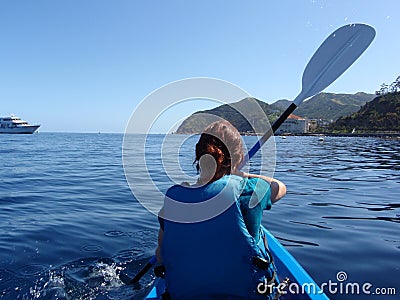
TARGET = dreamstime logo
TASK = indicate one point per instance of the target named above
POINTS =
(341, 276)
(150, 162)
(341, 286)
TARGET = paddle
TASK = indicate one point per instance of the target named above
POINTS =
(144, 270)
(335, 55)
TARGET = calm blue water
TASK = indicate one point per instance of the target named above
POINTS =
(70, 224)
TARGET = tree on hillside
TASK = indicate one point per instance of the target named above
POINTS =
(397, 83)
(392, 88)
(384, 89)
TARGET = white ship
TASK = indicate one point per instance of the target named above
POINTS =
(14, 124)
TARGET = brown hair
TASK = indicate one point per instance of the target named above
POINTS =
(223, 142)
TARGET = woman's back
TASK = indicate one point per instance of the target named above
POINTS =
(215, 256)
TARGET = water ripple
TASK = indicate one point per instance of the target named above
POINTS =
(128, 255)
(310, 224)
(31, 269)
(92, 248)
(5, 276)
(299, 243)
(387, 219)
(115, 233)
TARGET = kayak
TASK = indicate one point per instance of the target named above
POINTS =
(299, 284)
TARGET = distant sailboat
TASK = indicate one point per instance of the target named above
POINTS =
(354, 130)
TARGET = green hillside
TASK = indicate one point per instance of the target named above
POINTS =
(329, 106)
(381, 114)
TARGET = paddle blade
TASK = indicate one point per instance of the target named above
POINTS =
(335, 55)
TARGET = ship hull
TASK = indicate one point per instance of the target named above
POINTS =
(20, 130)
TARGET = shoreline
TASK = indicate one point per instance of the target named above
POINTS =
(365, 134)
(384, 135)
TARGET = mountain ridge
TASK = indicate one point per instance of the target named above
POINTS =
(326, 106)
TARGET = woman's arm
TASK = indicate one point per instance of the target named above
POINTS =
(158, 250)
(278, 188)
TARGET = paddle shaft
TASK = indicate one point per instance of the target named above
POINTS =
(268, 134)
(144, 270)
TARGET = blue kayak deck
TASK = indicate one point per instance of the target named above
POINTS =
(301, 286)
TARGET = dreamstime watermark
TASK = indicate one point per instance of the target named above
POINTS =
(339, 286)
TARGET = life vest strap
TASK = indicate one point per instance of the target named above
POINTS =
(269, 264)
(261, 263)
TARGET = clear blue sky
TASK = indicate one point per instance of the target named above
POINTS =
(83, 66)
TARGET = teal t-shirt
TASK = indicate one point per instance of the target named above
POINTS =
(255, 197)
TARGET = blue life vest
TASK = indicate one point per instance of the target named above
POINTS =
(212, 257)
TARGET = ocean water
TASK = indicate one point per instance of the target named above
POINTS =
(70, 227)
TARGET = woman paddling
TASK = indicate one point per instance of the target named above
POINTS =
(211, 244)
